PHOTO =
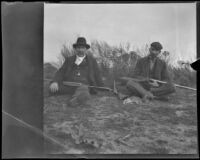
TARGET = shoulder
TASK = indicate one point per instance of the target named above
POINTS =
(69, 60)
(90, 57)
(161, 62)
(143, 59)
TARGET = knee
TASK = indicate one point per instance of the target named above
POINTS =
(131, 84)
(83, 89)
(92, 91)
(171, 87)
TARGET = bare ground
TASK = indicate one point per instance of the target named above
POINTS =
(105, 125)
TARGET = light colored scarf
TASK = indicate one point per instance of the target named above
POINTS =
(79, 60)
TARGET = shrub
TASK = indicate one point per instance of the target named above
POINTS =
(117, 61)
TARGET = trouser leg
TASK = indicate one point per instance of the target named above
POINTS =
(81, 96)
(138, 89)
(163, 90)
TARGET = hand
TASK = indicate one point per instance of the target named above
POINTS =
(54, 87)
(148, 95)
(153, 83)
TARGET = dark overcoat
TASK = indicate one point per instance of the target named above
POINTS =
(94, 75)
(159, 72)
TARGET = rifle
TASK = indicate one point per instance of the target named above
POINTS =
(76, 84)
(126, 79)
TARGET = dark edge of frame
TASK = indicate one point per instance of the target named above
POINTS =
(22, 45)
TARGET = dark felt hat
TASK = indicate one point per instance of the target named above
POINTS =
(157, 46)
(81, 41)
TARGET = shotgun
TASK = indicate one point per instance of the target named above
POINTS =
(126, 79)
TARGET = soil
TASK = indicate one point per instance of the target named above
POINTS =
(104, 125)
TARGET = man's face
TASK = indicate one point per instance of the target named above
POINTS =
(80, 51)
(153, 52)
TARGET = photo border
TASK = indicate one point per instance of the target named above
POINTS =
(27, 53)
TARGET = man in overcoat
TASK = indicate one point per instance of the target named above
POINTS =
(81, 68)
(151, 67)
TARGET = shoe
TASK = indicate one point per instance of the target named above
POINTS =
(122, 96)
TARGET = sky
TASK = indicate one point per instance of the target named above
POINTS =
(172, 24)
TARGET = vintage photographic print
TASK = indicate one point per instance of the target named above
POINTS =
(117, 78)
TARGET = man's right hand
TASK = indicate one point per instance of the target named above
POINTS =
(54, 87)
(148, 95)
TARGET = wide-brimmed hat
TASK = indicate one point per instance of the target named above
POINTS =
(157, 46)
(81, 41)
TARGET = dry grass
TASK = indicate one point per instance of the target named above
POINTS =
(154, 128)
(100, 126)
(117, 61)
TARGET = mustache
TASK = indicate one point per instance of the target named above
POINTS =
(81, 53)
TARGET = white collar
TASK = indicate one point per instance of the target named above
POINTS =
(79, 59)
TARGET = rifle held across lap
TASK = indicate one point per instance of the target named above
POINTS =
(126, 79)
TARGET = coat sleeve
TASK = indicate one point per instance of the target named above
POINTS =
(59, 75)
(97, 74)
(165, 73)
(137, 70)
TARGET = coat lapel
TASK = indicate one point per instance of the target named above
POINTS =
(90, 69)
(156, 69)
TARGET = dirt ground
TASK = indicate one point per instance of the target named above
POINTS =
(106, 126)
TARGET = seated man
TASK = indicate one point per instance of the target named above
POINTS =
(81, 68)
(151, 67)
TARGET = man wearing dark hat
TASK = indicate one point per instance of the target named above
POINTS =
(151, 67)
(81, 68)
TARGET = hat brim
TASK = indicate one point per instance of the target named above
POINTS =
(86, 45)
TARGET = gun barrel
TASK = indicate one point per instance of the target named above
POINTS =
(138, 80)
(106, 88)
(177, 85)
(76, 84)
